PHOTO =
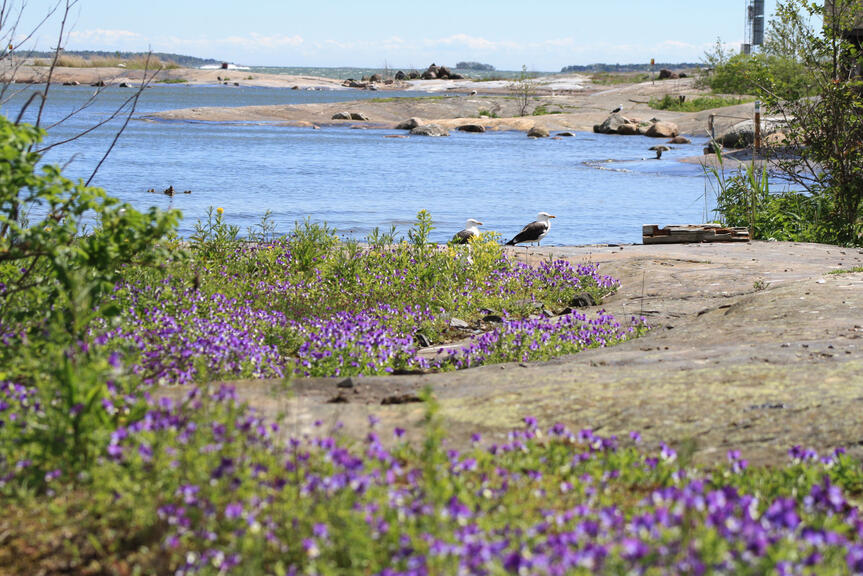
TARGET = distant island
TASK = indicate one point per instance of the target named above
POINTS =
(627, 67)
(476, 66)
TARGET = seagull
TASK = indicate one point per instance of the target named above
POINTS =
(533, 232)
(618, 109)
(470, 230)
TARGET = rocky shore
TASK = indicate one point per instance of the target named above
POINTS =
(560, 105)
(754, 346)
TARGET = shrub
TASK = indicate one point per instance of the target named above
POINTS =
(697, 104)
(55, 276)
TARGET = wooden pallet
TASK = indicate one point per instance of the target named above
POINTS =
(653, 234)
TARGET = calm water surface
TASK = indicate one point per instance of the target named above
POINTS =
(601, 188)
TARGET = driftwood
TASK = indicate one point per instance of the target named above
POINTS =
(653, 234)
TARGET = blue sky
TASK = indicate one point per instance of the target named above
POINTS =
(507, 34)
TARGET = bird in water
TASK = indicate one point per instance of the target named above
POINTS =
(659, 150)
(533, 232)
(470, 230)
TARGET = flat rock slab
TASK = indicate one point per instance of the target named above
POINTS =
(754, 347)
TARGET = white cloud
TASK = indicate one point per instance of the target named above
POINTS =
(255, 41)
(103, 37)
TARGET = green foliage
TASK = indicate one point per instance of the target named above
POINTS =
(523, 89)
(263, 231)
(214, 238)
(310, 243)
(826, 132)
(419, 233)
(487, 113)
(744, 199)
(822, 157)
(55, 277)
(53, 259)
(542, 110)
(697, 104)
(757, 74)
(225, 483)
(613, 78)
(378, 240)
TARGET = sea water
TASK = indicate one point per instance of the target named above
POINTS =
(601, 188)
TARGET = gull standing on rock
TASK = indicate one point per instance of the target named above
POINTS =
(470, 230)
(533, 232)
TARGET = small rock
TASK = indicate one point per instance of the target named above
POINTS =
(458, 324)
(359, 116)
(422, 340)
(663, 130)
(611, 124)
(409, 124)
(680, 140)
(342, 116)
(346, 383)
(496, 318)
(566, 134)
(582, 301)
(479, 128)
(400, 399)
(429, 130)
(538, 132)
(627, 129)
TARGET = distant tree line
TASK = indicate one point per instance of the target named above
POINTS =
(627, 67)
(478, 66)
(180, 59)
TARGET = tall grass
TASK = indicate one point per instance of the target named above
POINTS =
(611, 78)
(135, 63)
(669, 102)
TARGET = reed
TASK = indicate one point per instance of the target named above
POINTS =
(134, 63)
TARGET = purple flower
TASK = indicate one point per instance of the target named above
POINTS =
(233, 510)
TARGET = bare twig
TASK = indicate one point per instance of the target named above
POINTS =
(57, 50)
(145, 81)
(112, 116)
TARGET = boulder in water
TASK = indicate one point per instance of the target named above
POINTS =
(429, 130)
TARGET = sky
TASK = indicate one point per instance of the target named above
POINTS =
(544, 36)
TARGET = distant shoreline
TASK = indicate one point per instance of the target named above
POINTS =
(562, 102)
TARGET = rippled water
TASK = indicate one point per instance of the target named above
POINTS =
(601, 188)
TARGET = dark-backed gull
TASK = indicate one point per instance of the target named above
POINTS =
(470, 230)
(533, 232)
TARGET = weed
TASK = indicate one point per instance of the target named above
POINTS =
(697, 104)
